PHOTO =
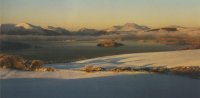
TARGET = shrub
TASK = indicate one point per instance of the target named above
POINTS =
(12, 61)
(114, 69)
(36, 64)
(160, 70)
(50, 69)
(44, 69)
(17, 62)
(186, 69)
(98, 69)
(120, 69)
(90, 68)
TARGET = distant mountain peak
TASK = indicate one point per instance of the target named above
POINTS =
(86, 30)
(83, 29)
(57, 29)
(130, 24)
(175, 26)
(25, 25)
(128, 27)
(51, 28)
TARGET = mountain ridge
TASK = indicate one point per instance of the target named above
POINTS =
(30, 29)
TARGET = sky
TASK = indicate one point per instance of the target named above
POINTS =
(101, 14)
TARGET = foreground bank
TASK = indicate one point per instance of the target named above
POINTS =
(68, 81)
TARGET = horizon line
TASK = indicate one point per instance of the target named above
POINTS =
(45, 26)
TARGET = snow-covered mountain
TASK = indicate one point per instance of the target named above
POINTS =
(129, 27)
(30, 29)
(175, 29)
(87, 31)
(8, 27)
(28, 26)
(172, 28)
(57, 29)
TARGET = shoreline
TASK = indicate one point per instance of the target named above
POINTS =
(69, 82)
(133, 63)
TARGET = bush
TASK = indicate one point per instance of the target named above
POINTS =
(12, 61)
(17, 62)
(36, 64)
(44, 69)
(159, 70)
(186, 69)
(90, 68)
(98, 69)
(121, 69)
(50, 69)
(192, 71)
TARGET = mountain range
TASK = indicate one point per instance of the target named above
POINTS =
(129, 27)
(30, 29)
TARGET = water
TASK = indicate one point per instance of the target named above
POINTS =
(64, 51)
(120, 86)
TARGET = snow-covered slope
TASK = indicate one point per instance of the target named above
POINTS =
(176, 31)
(129, 27)
(7, 27)
(70, 83)
(30, 29)
(28, 26)
(154, 59)
(87, 31)
(57, 29)
(167, 59)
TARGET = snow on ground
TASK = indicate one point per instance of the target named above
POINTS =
(68, 71)
(60, 74)
(168, 59)
(68, 82)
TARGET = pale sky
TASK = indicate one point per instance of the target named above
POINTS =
(100, 14)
